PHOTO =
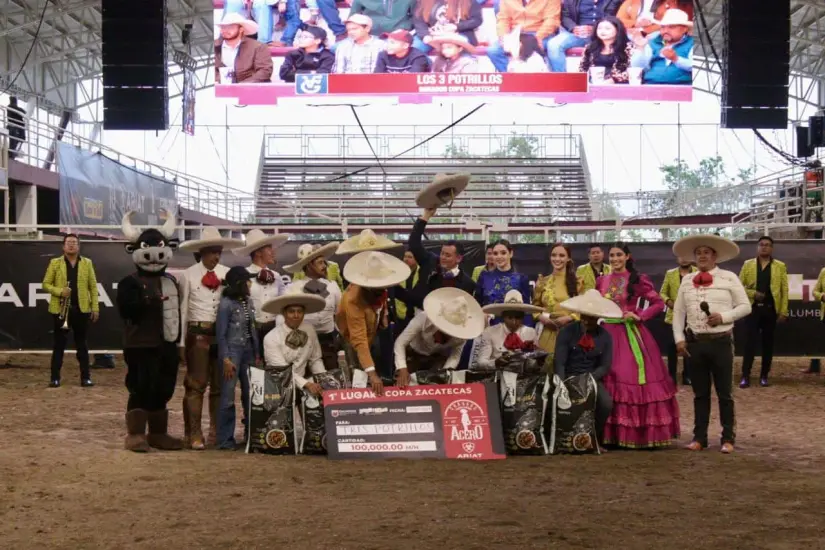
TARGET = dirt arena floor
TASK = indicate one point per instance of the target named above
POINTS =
(65, 482)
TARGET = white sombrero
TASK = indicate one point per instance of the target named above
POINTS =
(365, 241)
(725, 248)
(593, 304)
(512, 302)
(256, 239)
(308, 252)
(675, 16)
(455, 313)
(443, 189)
(249, 26)
(210, 237)
(375, 270)
(294, 296)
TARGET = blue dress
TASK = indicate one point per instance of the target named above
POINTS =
(492, 286)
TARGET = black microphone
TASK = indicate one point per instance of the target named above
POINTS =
(704, 307)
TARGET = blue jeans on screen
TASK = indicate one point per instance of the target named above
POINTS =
(242, 358)
(557, 49)
(329, 11)
(293, 21)
(501, 59)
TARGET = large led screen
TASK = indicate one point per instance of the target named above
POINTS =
(415, 50)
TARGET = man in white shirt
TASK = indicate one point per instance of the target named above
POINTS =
(294, 341)
(312, 262)
(200, 294)
(267, 284)
(436, 336)
(709, 302)
(500, 341)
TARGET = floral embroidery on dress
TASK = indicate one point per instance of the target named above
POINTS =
(616, 288)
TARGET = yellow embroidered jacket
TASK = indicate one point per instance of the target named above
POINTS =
(670, 290)
(819, 293)
(585, 272)
(57, 278)
(401, 307)
(779, 283)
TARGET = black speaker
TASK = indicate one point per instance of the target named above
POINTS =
(803, 149)
(755, 64)
(816, 132)
(135, 65)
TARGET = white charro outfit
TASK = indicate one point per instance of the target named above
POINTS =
(278, 354)
(494, 341)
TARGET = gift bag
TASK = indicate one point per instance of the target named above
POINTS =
(523, 410)
(270, 411)
(573, 415)
(314, 436)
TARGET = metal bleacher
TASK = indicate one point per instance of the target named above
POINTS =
(295, 190)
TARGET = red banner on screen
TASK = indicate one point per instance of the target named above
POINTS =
(459, 421)
(457, 83)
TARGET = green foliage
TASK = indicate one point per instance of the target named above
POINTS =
(517, 146)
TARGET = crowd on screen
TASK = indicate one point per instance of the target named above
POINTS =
(618, 42)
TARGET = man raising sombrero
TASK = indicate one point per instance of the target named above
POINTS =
(363, 307)
(435, 337)
(711, 300)
(200, 295)
(584, 347)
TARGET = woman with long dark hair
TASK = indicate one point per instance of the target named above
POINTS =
(526, 56)
(609, 48)
(435, 17)
(645, 412)
(552, 290)
(493, 285)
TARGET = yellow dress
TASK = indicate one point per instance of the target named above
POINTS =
(549, 293)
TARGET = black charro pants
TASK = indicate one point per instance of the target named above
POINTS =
(78, 326)
(711, 364)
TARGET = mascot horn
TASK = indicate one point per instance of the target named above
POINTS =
(148, 302)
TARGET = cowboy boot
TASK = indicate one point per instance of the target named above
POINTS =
(136, 431)
(214, 404)
(193, 403)
(158, 436)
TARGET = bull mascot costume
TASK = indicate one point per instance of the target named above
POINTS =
(149, 305)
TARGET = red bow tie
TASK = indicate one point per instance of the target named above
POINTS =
(440, 338)
(266, 276)
(703, 279)
(211, 281)
(586, 342)
(513, 342)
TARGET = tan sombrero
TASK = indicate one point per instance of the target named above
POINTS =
(308, 252)
(294, 296)
(452, 38)
(367, 240)
(443, 189)
(675, 16)
(210, 237)
(376, 270)
(512, 302)
(455, 313)
(256, 239)
(725, 248)
(249, 26)
(593, 304)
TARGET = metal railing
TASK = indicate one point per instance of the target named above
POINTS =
(194, 193)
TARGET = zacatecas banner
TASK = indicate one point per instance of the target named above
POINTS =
(25, 324)
(95, 190)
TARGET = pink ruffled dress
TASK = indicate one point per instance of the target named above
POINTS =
(645, 412)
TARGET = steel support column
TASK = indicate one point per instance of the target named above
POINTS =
(65, 118)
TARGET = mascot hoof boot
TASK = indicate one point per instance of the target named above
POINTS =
(136, 431)
(158, 437)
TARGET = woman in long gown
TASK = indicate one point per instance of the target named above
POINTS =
(550, 292)
(645, 412)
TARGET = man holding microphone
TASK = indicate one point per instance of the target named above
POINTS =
(708, 303)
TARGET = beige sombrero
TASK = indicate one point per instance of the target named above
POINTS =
(593, 304)
(249, 26)
(256, 239)
(376, 270)
(455, 313)
(443, 189)
(725, 248)
(210, 237)
(294, 296)
(452, 38)
(512, 302)
(308, 252)
(367, 240)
